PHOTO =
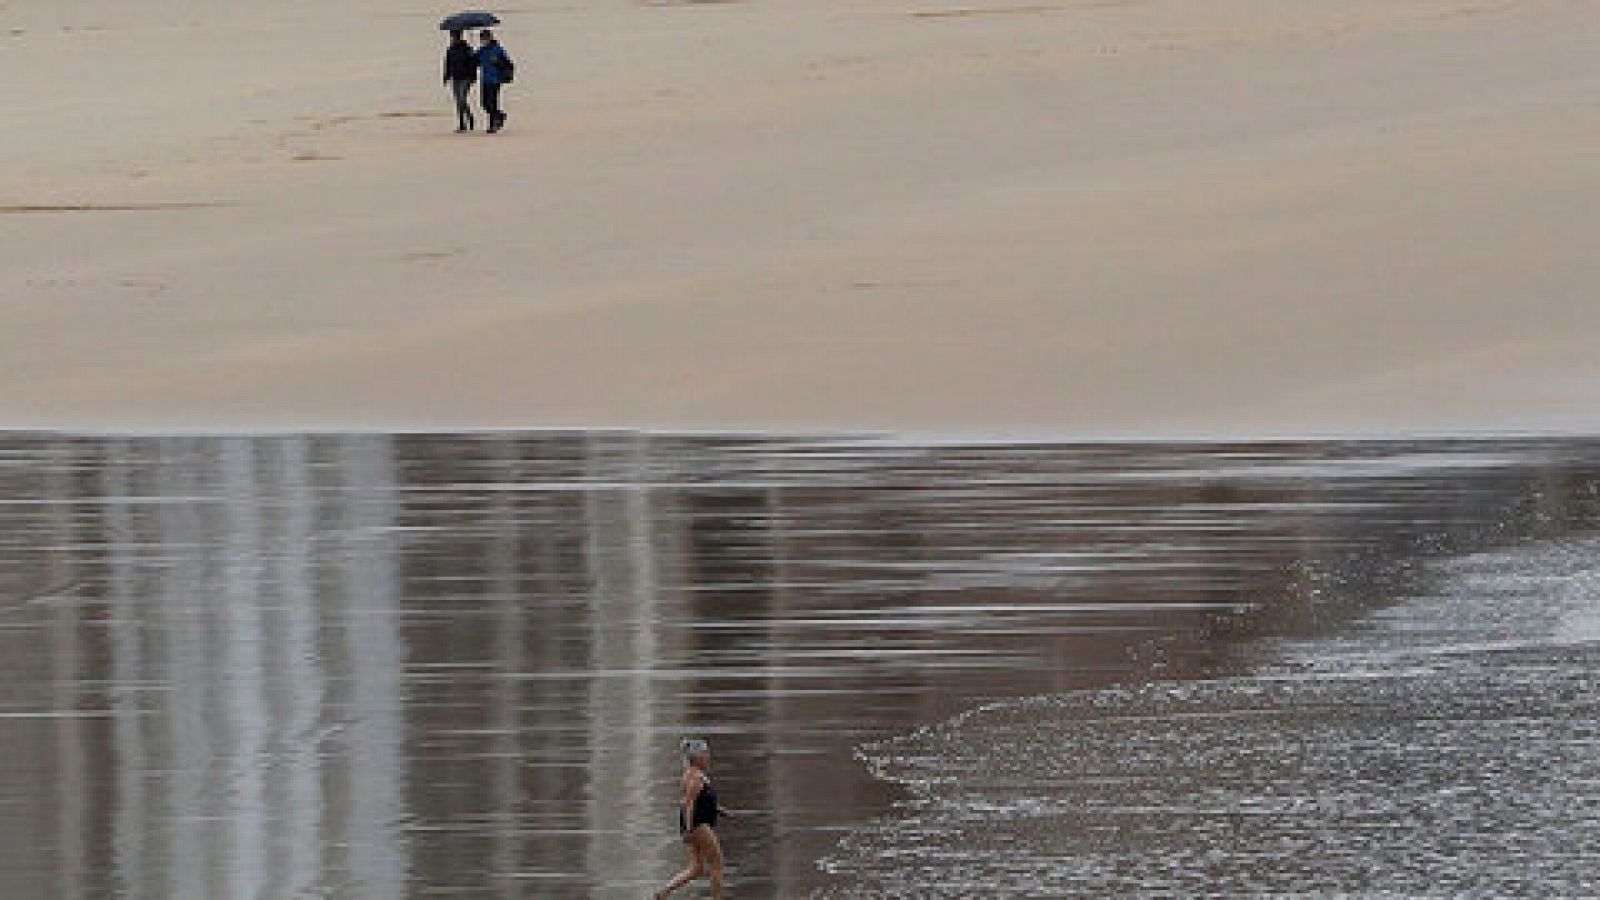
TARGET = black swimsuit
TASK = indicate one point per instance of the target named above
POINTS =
(705, 809)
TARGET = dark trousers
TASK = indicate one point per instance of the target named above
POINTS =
(490, 94)
(462, 89)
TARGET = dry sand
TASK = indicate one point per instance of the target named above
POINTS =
(967, 216)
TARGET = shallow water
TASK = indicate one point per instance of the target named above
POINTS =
(457, 665)
(1449, 746)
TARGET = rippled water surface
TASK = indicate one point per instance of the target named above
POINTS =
(1449, 747)
(457, 665)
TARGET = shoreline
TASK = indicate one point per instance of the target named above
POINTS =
(884, 438)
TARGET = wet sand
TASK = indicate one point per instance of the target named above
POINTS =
(1444, 746)
(1357, 216)
(457, 665)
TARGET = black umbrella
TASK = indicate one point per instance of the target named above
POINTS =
(463, 21)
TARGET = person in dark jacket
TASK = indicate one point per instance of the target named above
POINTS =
(460, 71)
(495, 65)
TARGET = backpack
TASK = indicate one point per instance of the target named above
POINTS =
(506, 68)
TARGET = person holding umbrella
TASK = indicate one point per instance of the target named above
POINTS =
(461, 64)
(460, 71)
(496, 67)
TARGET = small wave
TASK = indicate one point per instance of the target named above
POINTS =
(1444, 747)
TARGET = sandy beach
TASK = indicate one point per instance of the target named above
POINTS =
(1237, 216)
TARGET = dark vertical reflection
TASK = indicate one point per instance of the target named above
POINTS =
(458, 665)
(66, 673)
(504, 551)
(126, 583)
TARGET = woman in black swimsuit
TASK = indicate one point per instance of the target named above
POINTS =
(697, 822)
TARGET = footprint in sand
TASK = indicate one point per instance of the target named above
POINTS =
(149, 287)
(32, 208)
(967, 12)
(432, 255)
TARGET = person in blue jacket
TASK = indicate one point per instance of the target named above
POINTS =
(494, 65)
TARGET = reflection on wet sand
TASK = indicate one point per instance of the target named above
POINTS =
(457, 665)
